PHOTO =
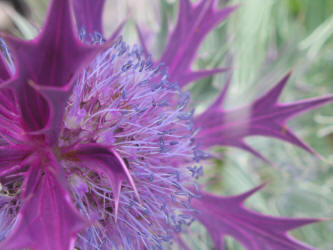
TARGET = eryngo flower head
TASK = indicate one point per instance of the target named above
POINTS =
(99, 146)
(125, 113)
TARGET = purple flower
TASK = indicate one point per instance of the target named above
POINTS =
(99, 146)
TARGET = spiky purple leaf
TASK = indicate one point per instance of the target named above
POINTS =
(227, 216)
(47, 219)
(49, 62)
(195, 21)
(265, 117)
(107, 161)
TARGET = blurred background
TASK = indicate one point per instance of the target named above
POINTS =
(265, 39)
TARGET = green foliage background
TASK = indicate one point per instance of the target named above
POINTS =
(265, 39)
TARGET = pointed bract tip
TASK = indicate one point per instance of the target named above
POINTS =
(244, 196)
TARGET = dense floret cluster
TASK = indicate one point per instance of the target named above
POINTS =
(124, 102)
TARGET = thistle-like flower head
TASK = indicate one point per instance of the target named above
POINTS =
(100, 149)
(127, 129)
